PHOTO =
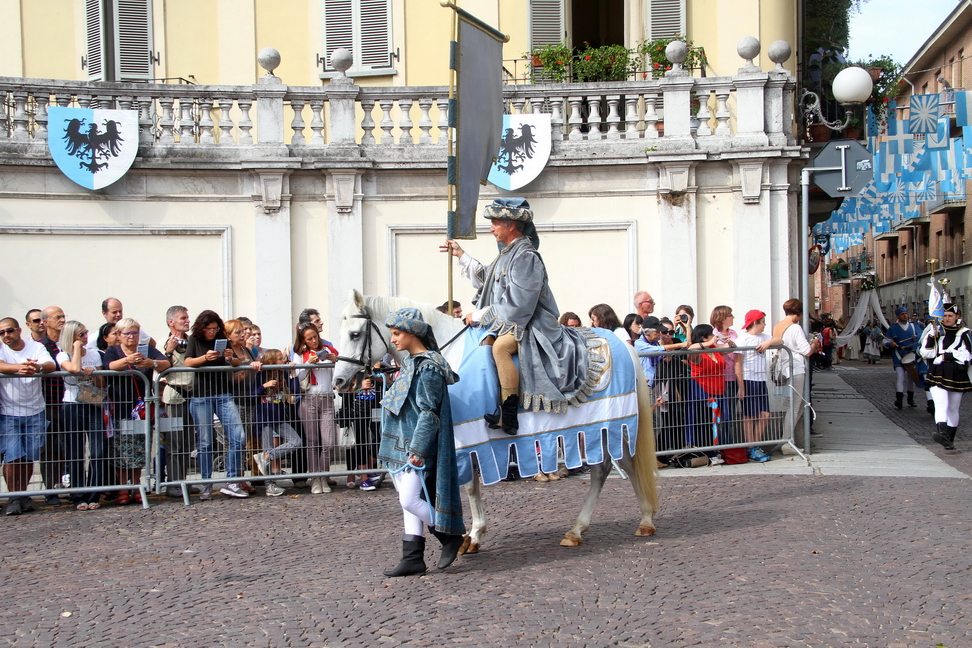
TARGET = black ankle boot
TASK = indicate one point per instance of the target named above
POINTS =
(911, 399)
(898, 399)
(505, 416)
(451, 544)
(413, 557)
(940, 435)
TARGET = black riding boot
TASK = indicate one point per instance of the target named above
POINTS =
(413, 557)
(505, 416)
(898, 399)
(911, 399)
(930, 407)
(940, 436)
(950, 437)
(450, 547)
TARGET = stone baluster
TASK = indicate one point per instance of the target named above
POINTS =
(651, 116)
(518, 104)
(536, 105)
(206, 124)
(676, 88)
(40, 116)
(594, 118)
(367, 123)
(63, 100)
(146, 128)
(406, 122)
(443, 123)
(704, 130)
(386, 124)
(317, 121)
(245, 124)
(225, 121)
(84, 101)
(167, 122)
(425, 122)
(297, 125)
(4, 118)
(557, 119)
(613, 117)
(631, 117)
(722, 110)
(185, 121)
(20, 117)
(575, 120)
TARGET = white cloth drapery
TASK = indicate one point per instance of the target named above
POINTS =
(867, 306)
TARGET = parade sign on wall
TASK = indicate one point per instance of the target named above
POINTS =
(523, 152)
(92, 147)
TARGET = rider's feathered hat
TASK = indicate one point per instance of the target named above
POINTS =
(514, 209)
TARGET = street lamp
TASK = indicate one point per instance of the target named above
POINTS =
(851, 87)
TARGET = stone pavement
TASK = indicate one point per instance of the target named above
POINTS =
(767, 560)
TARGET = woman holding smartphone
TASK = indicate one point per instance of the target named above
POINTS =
(316, 409)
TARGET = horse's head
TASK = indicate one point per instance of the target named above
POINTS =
(361, 341)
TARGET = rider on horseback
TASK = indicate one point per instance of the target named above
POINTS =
(515, 305)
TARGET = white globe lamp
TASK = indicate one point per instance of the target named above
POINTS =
(852, 86)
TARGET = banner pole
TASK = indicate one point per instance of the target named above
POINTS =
(451, 195)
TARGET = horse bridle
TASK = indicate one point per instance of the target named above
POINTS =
(363, 361)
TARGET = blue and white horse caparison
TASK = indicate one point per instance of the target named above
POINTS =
(613, 425)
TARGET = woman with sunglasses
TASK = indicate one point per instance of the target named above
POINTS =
(79, 420)
(212, 395)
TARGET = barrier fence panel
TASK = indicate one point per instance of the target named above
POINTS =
(242, 431)
(80, 436)
(707, 401)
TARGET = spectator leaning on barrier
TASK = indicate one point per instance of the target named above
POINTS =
(276, 392)
(82, 421)
(317, 402)
(51, 464)
(129, 398)
(789, 332)
(722, 320)
(212, 396)
(175, 398)
(750, 370)
(22, 423)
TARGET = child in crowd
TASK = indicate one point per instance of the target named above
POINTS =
(275, 410)
(357, 412)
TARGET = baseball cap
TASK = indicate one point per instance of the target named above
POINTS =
(752, 316)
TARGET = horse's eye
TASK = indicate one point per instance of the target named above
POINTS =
(355, 336)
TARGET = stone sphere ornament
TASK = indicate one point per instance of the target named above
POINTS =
(676, 52)
(779, 52)
(748, 49)
(269, 59)
(341, 59)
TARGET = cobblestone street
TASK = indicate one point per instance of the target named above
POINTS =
(738, 561)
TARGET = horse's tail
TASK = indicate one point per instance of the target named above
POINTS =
(645, 464)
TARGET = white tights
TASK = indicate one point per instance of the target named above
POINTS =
(946, 405)
(416, 510)
(904, 383)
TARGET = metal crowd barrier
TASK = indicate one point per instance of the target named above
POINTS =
(199, 442)
(689, 418)
(86, 448)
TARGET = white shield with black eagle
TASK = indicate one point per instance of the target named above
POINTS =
(524, 151)
(92, 147)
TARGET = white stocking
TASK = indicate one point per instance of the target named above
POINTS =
(415, 509)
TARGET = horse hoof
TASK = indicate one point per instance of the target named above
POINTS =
(472, 548)
(465, 545)
(645, 531)
(570, 541)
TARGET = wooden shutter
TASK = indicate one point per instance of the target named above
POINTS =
(666, 18)
(364, 28)
(546, 23)
(94, 24)
(133, 40)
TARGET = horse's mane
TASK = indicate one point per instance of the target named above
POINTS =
(380, 306)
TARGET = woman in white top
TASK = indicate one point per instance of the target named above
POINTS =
(82, 420)
(316, 408)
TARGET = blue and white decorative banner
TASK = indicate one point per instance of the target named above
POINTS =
(963, 109)
(524, 151)
(92, 147)
(924, 114)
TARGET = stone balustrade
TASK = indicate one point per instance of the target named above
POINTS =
(751, 109)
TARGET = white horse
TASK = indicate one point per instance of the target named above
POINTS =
(600, 426)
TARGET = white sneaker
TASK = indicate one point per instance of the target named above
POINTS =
(316, 488)
(716, 460)
(325, 487)
(261, 462)
(273, 490)
(233, 490)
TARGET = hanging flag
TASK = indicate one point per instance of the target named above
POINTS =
(477, 115)
(924, 111)
(938, 140)
(963, 109)
(935, 305)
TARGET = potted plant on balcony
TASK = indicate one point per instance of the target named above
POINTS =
(653, 54)
(853, 128)
(605, 63)
(550, 63)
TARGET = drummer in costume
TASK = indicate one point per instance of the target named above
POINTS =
(904, 337)
(948, 349)
(514, 303)
(418, 445)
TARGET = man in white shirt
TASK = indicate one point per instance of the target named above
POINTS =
(22, 400)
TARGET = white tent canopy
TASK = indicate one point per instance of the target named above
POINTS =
(867, 306)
